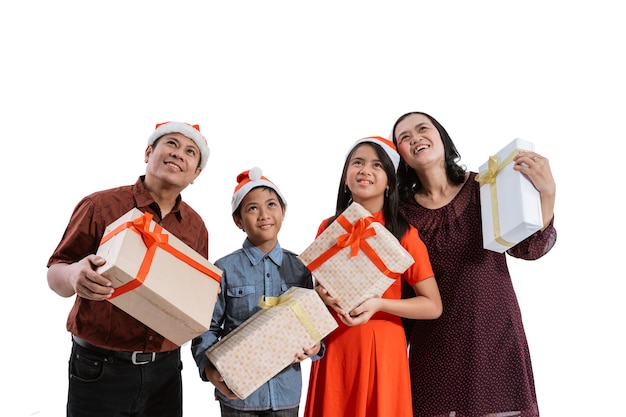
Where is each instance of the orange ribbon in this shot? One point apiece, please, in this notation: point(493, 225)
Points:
point(153, 240)
point(355, 239)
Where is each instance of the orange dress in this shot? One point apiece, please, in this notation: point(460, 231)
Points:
point(365, 370)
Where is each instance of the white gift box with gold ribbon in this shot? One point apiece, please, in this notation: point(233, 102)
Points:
point(268, 341)
point(356, 257)
point(510, 203)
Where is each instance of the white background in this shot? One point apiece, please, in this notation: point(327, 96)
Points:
point(288, 86)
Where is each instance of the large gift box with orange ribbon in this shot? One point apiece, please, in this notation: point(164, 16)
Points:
point(268, 341)
point(510, 203)
point(356, 257)
point(158, 279)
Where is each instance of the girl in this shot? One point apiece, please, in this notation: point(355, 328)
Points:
point(364, 372)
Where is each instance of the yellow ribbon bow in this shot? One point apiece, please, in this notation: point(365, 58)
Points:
point(489, 177)
point(270, 302)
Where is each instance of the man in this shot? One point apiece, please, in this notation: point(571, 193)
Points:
point(118, 365)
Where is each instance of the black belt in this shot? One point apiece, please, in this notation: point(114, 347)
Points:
point(136, 358)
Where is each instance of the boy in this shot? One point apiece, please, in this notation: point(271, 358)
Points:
point(118, 365)
point(261, 267)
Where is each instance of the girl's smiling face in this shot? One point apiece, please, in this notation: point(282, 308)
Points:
point(366, 178)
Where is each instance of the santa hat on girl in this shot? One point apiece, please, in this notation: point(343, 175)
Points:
point(248, 180)
point(387, 146)
point(185, 129)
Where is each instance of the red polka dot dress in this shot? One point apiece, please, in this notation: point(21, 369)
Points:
point(473, 360)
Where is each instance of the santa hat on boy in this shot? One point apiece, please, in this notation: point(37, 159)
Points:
point(191, 131)
point(387, 146)
point(248, 180)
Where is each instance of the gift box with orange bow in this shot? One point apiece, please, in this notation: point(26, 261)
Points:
point(510, 203)
point(356, 258)
point(158, 279)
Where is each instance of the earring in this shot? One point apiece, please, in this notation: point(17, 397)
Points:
point(345, 189)
point(387, 192)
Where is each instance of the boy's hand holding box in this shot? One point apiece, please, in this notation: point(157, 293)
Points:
point(158, 279)
point(510, 204)
point(268, 341)
point(356, 258)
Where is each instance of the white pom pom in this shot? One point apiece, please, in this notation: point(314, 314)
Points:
point(255, 174)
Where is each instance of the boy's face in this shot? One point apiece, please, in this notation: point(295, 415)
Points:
point(261, 218)
point(173, 161)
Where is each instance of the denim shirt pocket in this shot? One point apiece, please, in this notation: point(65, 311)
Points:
point(242, 291)
point(243, 301)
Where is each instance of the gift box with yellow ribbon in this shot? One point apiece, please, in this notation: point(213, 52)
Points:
point(268, 341)
point(356, 257)
point(158, 279)
point(510, 203)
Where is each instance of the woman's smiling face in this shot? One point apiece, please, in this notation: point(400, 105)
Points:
point(418, 140)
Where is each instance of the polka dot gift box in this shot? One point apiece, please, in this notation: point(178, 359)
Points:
point(268, 341)
point(356, 257)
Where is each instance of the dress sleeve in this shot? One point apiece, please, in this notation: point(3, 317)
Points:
point(535, 245)
point(323, 226)
point(422, 268)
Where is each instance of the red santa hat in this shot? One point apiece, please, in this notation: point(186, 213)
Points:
point(190, 131)
point(386, 144)
point(248, 180)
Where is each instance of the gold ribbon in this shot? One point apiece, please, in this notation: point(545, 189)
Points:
point(286, 299)
point(489, 177)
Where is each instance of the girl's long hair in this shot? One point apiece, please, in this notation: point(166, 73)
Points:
point(394, 221)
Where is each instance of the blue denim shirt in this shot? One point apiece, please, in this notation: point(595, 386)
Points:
point(248, 273)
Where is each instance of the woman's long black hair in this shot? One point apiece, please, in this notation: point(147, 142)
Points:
point(408, 181)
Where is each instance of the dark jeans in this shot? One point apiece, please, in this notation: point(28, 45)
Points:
point(231, 412)
point(102, 386)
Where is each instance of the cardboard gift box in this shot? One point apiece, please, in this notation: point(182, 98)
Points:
point(268, 341)
point(158, 279)
point(510, 203)
point(356, 257)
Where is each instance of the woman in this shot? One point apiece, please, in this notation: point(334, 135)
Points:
point(474, 360)
point(364, 371)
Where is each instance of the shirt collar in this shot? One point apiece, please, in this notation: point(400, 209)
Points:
point(255, 255)
point(143, 198)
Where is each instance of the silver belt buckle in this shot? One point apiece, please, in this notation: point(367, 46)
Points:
point(134, 360)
